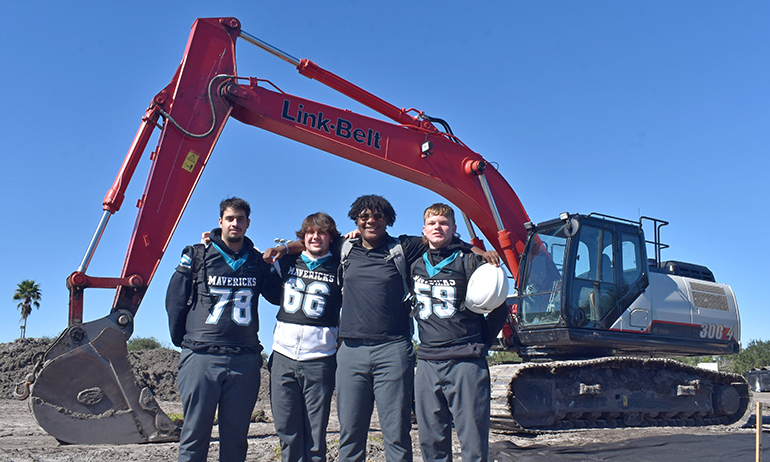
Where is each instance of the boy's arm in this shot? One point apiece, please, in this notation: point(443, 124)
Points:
point(177, 297)
point(272, 288)
point(290, 248)
point(495, 322)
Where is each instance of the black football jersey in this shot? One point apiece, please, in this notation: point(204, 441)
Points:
point(439, 284)
point(225, 298)
point(310, 296)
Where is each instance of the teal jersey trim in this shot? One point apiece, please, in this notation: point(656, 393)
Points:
point(234, 264)
point(434, 270)
point(313, 264)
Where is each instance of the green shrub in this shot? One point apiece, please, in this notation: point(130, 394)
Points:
point(143, 343)
point(175, 417)
point(694, 360)
point(503, 357)
point(259, 416)
point(755, 355)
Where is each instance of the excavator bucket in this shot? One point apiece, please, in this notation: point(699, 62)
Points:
point(86, 393)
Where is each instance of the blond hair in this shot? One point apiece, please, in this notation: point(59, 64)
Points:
point(439, 209)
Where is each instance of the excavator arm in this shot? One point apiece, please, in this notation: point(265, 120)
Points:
point(84, 391)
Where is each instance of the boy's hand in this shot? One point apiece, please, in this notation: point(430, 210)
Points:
point(491, 257)
point(273, 253)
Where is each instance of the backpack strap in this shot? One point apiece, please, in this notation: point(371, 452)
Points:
point(395, 253)
point(198, 272)
point(347, 246)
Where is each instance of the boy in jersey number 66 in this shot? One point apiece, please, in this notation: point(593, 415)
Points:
point(303, 362)
point(212, 311)
point(452, 382)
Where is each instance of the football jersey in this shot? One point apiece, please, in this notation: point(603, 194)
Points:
point(225, 299)
point(312, 294)
point(439, 283)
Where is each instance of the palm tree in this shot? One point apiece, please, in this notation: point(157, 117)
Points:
point(28, 294)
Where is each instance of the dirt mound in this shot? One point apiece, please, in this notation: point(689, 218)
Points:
point(155, 368)
point(16, 361)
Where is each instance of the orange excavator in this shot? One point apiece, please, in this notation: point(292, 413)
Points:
point(593, 317)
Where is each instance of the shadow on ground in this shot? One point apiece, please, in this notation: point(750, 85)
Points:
point(682, 448)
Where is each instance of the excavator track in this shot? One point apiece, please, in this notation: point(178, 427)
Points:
point(624, 392)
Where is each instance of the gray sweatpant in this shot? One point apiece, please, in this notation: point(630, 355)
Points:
point(381, 373)
point(453, 391)
point(301, 396)
point(205, 381)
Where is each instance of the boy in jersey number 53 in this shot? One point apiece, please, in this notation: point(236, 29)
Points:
point(452, 382)
point(212, 309)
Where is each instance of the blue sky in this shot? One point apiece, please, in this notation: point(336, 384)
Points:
point(625, 108)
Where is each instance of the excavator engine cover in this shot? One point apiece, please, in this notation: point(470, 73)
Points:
point(86, 392)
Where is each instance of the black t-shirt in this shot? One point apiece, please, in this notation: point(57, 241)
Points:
point(373, 306)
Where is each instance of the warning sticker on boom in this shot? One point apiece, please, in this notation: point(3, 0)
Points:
point(190, 161)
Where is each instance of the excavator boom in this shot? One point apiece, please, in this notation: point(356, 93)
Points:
point(84, 391)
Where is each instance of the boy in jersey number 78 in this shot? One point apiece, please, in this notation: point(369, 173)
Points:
point(452, 382)
point(212, 311)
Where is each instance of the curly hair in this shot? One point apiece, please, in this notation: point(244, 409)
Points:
point(319, 221)
point(373, 203)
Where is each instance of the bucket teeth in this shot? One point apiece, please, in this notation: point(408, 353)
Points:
point(86, 393)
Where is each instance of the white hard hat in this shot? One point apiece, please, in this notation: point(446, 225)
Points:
point(487, 289)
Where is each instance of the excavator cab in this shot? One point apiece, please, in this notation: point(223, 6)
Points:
point(584, 290)
point(580, 271)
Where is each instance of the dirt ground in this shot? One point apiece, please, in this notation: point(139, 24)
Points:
point(21, 439)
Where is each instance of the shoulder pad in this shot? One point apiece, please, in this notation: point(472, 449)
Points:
point(186, 261)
